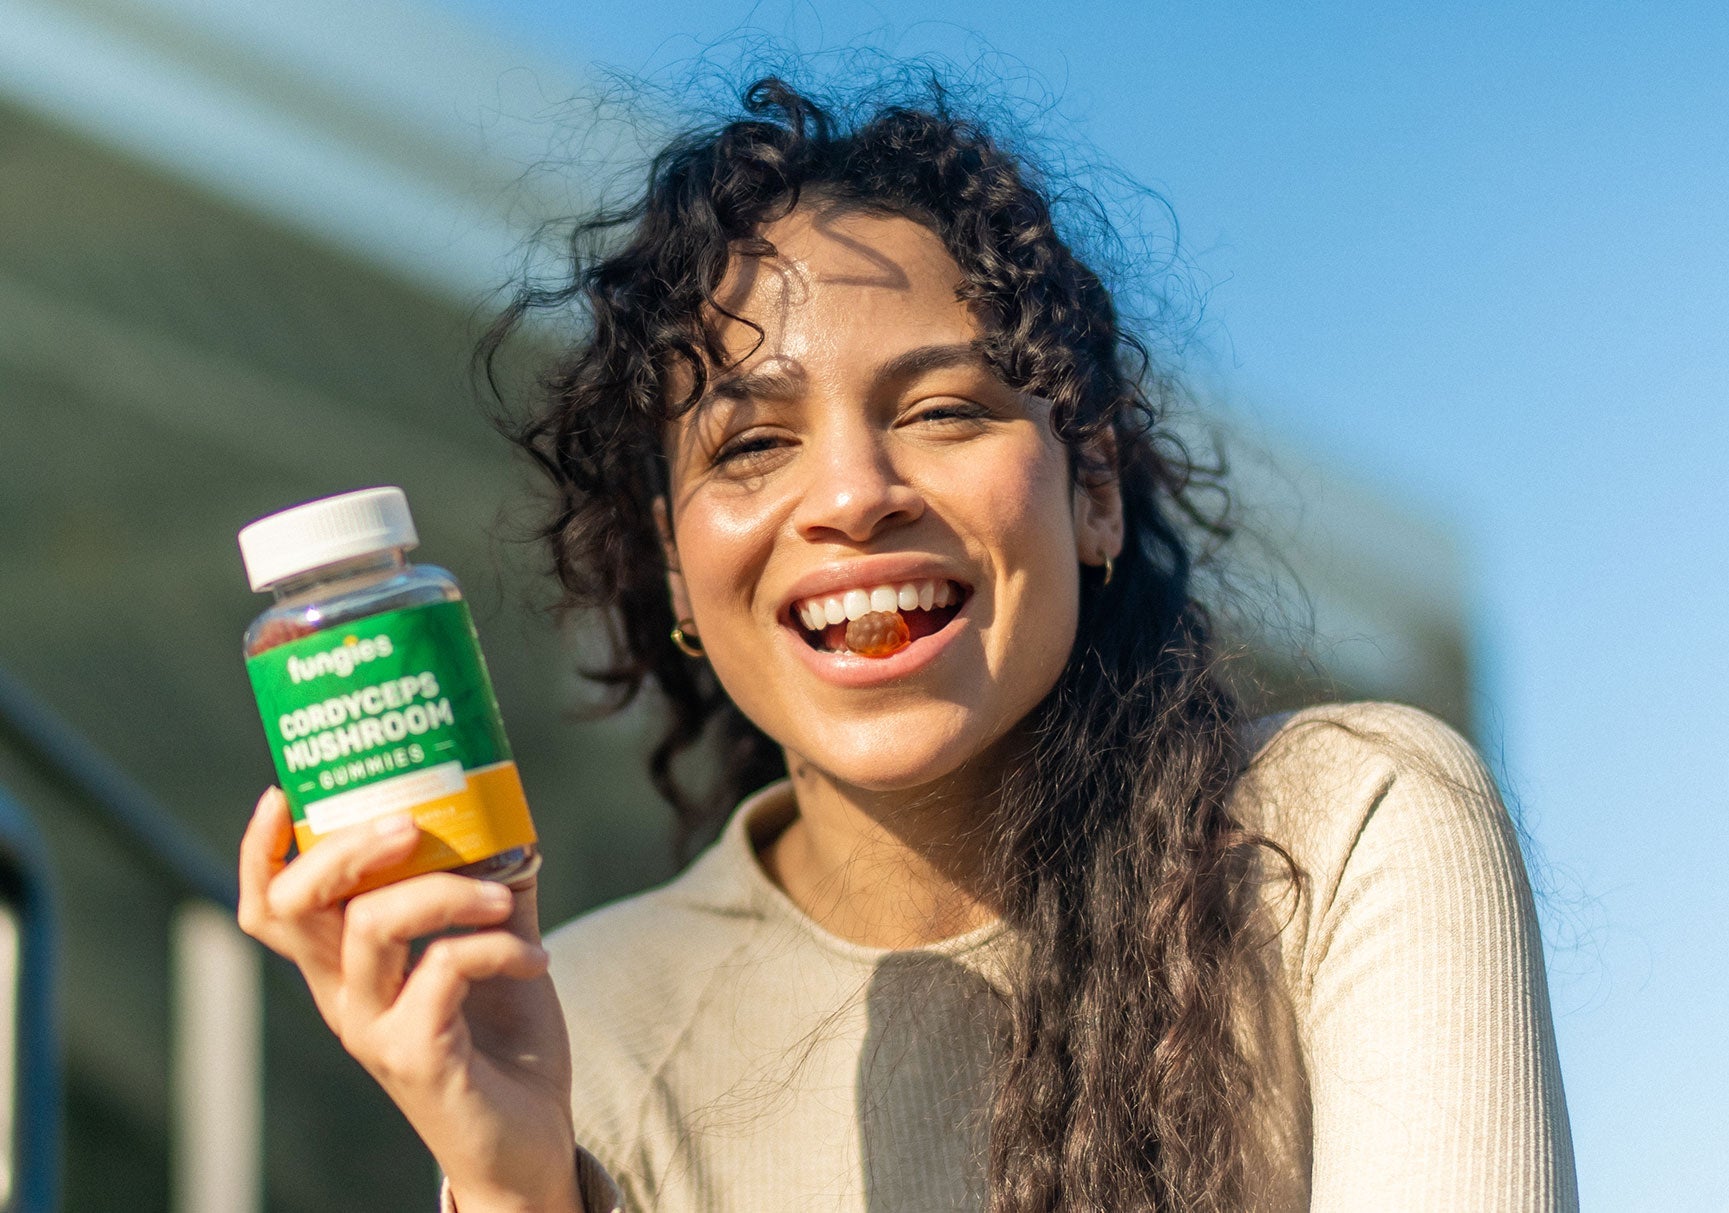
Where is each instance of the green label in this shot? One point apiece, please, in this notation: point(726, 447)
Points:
point(379, 697)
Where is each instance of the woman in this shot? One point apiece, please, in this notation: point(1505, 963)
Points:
point(872, 488)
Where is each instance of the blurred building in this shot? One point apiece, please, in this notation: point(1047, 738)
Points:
point(242, 252)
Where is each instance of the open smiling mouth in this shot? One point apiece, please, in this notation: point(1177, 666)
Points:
point(878, 621)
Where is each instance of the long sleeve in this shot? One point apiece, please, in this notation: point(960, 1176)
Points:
point(1405, 1053)
point(599, 1193)
point(1426, 1028)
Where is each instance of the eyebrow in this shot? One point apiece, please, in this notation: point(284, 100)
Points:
point(770, 381)
point(925, 358)
point(776, 381)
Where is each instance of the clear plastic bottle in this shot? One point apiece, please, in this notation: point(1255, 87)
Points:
point(373, 691)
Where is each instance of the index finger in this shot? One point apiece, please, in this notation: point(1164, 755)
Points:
point(328, 874)
point(263, 854)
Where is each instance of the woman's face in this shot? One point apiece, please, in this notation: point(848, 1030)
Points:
point(864, 446)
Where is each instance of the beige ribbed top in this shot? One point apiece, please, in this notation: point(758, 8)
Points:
point(731, 1055)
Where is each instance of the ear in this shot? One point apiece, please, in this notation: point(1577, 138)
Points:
point(674, 576)
point(1098, 502)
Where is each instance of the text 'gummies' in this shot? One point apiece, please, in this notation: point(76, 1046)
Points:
point(878, 634)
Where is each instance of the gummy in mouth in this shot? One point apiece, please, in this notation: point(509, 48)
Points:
point(881, 633)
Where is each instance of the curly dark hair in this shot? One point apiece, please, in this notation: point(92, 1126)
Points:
point(1121, 1083)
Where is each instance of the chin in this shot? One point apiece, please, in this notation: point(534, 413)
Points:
point(904, 761)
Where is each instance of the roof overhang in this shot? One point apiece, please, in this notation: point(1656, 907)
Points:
point(390, 130)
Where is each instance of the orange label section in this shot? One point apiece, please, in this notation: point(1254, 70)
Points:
point(485, 818)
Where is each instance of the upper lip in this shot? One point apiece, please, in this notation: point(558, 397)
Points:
point(864, 572)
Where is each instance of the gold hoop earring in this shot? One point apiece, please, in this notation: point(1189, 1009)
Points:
point(685, 637)
point(1110, 571)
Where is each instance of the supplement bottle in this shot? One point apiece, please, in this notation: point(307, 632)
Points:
point(373, 692)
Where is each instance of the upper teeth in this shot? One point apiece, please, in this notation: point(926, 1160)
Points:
point(817, 613)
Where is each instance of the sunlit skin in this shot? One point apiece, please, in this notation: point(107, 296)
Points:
point(864, 440)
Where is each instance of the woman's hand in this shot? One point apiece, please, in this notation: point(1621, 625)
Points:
point(468, 1040)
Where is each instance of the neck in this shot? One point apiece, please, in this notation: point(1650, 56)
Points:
point(885, 869)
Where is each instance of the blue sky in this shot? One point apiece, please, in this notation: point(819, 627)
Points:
point(1479, 255)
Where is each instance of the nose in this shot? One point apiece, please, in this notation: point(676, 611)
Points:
point(855, 492)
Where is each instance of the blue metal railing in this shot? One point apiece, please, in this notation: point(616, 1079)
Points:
point(25, 885)
point(149, 833)
point(136, 819)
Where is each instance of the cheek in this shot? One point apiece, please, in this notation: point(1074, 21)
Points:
point(723, 546)
point(1029, 506)
point(1039, 645)
point(1032, 519)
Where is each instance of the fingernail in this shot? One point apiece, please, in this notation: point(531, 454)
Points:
point(396, 825)
point(495, 895)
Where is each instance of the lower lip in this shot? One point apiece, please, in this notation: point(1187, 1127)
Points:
point(850, 670)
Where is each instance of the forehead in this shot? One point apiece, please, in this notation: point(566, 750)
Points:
point(838, 279)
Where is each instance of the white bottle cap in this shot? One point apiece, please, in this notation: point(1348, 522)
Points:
point(310, 536)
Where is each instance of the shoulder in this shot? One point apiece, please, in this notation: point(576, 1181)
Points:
point(668, 936)
point(1413, 964)
point(1382, 810)
point(648, 934)
point(1388, 735)
point(1394, 825)
point(650, 949)
point(632, 977)
point(1318, 776)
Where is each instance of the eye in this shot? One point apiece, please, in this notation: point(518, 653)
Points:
point(951, 412)
point(745, 450)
